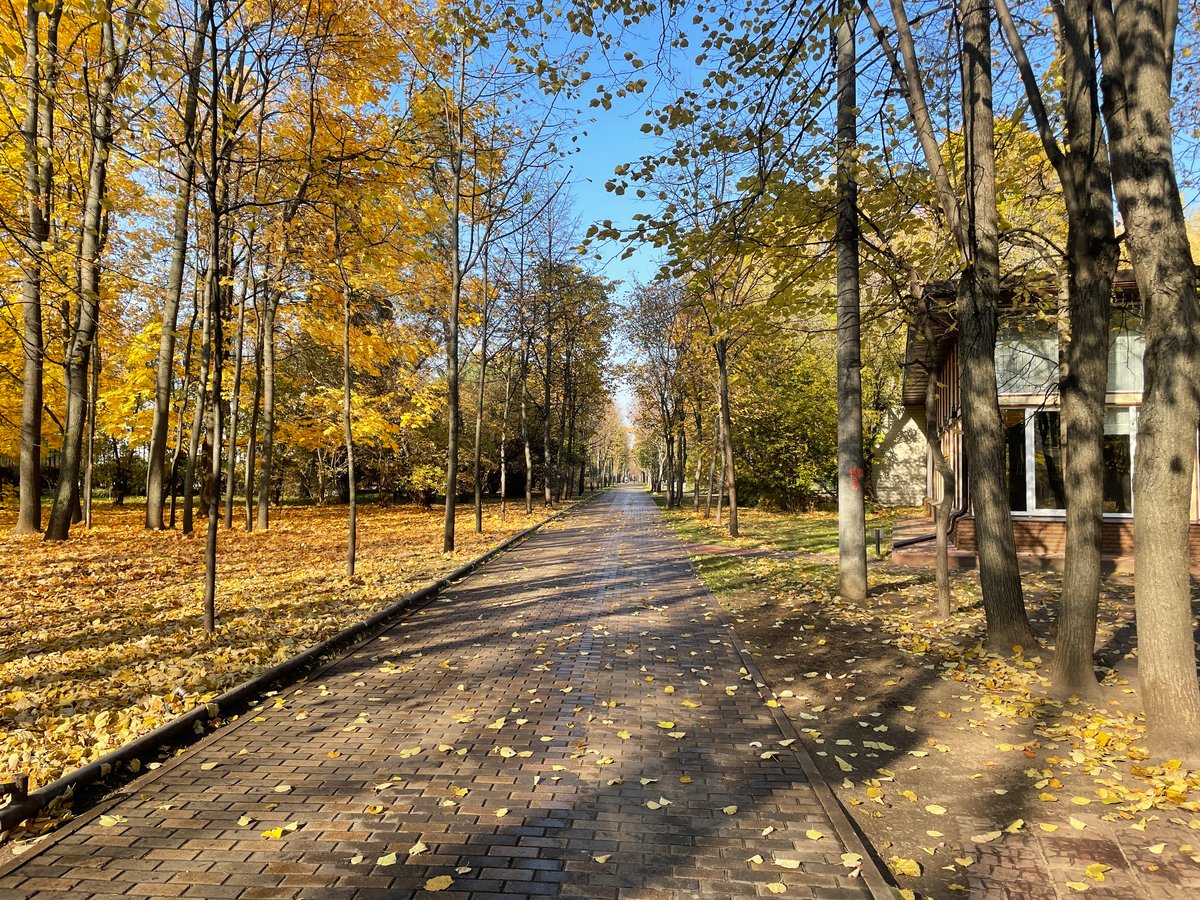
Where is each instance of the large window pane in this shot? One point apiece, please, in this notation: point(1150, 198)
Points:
point(1125, 348)
point(1014, 458)
point(1026, 359)
point(1049, 491)
point(1118, 460)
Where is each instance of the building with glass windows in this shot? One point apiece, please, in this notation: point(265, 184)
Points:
point(1027, 370)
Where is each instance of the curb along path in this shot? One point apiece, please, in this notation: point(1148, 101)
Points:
point(575, 719)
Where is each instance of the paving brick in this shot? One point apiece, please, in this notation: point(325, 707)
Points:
point(549, 684)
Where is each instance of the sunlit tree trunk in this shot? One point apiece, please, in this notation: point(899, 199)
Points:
point(348, 427)
point(89, 472)
point(199, 411)
point(727, 465)
point(235, 397)
point(252, 435)
point(525, 428)
point(87, 309)
point(504, 442)
point(266, 473)
point(477, 450)
point(37, 132)
point(181, 411)
point(852, 528)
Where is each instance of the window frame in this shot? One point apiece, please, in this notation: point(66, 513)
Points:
point(1032, 510)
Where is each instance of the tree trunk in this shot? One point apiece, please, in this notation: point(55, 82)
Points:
point(87, 310)
point(252, 437)
point(164, 368)
point(348, 425)
point(477, 457)
point(217, 437)
point(548, 475)
point(504, 442)
point(999, 576)
point(235, 398)
point(1091, 262)
point(216, 331)
point(934, 441)
point(452, 414)
point(712, 470)
point(267, 450)
point(525, 431)
point(90, 471)
point(852, 526)
point(699, 461)
point(202, 398)
point(180, 410)
point(39, 182)
point(978, 304)
point(730, 477)
point(1137, 45)
point(721, 474)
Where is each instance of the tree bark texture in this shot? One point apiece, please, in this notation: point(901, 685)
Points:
point(852, 527)
point(1137, 39)
point(727, 465)
point(978, 305)
point(87, 310)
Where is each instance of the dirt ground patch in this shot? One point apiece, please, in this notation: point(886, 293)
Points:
point(959, 767)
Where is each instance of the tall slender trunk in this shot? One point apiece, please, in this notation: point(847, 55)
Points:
point(933, 440)
point(37, 131)
point(721, 474)
point(681, 465)
point(198, 413)
point(87, 309)
point(1091, 263)
point(852, 527)
point(348, 427)
point(699, 460)
point(564, 491)
point(712, 467)
point(266, 473)
point(252, 436)
point(508, 378)
point(547, 458)
point(978, 305)
point(729, 472)
point(89, 472)
point(525, 430)
point(477, 458)
point(1083, 170)
point(452, 397)
point(976, 237)
point(235, 397)
point(217, 352)
point(1137, 46)
point(181, 409)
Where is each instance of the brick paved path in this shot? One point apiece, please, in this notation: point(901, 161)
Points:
point(574, 720)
